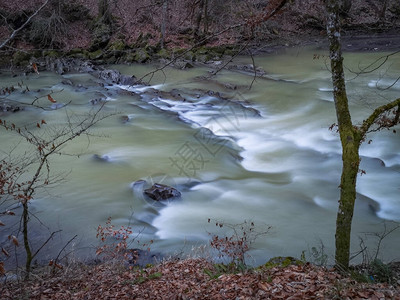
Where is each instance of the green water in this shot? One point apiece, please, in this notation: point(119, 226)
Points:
point(288, 176)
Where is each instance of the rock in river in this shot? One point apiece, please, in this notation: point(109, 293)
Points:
point(160, 192)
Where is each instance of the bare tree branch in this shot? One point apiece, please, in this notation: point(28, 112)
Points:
point(14, 33)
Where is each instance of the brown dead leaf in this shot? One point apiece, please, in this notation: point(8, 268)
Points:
point(51, 99)
point(35, 68)
point(5, 252)
point(2, 270)
point(14, 240)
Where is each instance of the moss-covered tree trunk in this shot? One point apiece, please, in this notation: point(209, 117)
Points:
point(349, 136)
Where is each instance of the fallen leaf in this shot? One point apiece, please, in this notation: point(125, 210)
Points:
point(14, 240)
point(2, 270)
point(51, 99)
point(5, 252)
point(35, 68)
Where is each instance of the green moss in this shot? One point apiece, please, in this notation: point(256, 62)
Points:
point(21, 58)
point(117, 45)
point(52, 54)
point(163, 53)
point(178, 51)
point(101, 35)
point(230, 52)
point(95, 54)
point(5, 60)
point(189, 56)
point(282, 261)
point(141, 56)
point(78, 53)
point(201, 51)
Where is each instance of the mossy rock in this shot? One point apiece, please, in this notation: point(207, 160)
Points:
point(142, 40)
point(178, 51)
point(189, 56)
point(230, 52)
point(218, 50)
point(282, 261)
point(5, 60)
point(203, 58)
point(101, 36)
point(21, 58)
point(78, 53)
point(75, 51)
point(52, 54)
point(141, 56)
point(163, 53)
point(95, 54)
point(202, 50)
point(117, 45)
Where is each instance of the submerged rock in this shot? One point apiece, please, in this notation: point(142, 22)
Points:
point(101, 158)
point(114, 76)
point(139, 257)
point(97, 100)
point(160, 192)
point(10, 106)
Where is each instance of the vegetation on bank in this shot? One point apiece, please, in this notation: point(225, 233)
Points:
point(117, 32)
point(196, 278)
point(199, 276)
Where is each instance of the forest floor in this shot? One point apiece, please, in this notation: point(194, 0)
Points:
point(195, 279)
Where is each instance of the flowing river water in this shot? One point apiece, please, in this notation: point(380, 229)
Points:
point(266, 155)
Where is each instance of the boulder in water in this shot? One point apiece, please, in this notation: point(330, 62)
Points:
point(10, 106)
point(160, 192)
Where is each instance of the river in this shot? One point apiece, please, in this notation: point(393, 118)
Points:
point(266, 155)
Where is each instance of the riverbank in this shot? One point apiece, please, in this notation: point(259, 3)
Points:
point(195, 279)
point(81, 30)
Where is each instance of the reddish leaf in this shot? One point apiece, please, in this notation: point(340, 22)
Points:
point(2, 224)
point(43, 122)
point(14, 240)
point(5, 252)
point(51, 99)
point(2, 270)
point(35, 68)
point(37, 125)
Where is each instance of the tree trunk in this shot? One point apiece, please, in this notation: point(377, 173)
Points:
point(25, 220)
point(382, 13)
point(351, 161)
point(104, 11)
point(164, 21)
point(199, 17)
point(205, 31)
point(350, 138)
